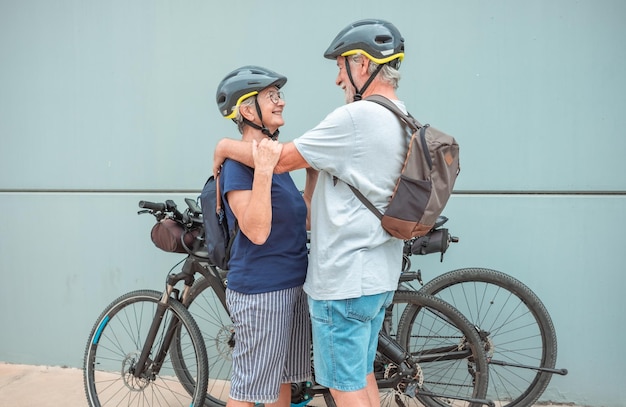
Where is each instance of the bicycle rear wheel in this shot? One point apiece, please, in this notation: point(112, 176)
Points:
point(520, 336)
point(446, 347)
point(115, 343)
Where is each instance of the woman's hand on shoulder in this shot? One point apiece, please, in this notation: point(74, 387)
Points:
point(266, 154)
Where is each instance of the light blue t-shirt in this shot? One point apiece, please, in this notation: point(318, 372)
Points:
point(364, 144)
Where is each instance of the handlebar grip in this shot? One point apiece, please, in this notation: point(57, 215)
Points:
point(152, 206)
point(193, 206)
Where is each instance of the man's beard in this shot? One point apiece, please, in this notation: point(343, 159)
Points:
point(349, 93)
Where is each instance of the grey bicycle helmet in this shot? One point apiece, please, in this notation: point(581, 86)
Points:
point(379, 40)
point(242, 83)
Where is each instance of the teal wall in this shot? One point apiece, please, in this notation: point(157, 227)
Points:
point(104, 103)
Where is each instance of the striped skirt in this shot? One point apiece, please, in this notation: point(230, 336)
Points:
point(272, 342)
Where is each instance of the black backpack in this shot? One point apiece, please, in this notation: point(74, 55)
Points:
point(217, 234)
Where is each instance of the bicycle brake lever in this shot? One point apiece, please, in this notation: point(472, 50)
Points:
point(171, 206)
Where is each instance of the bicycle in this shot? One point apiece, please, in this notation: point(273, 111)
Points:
point(129, 358)
point(434, 358)
point(514, 324)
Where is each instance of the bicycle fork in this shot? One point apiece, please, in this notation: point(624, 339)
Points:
point(154, 366)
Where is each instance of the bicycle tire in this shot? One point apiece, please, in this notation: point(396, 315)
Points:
point(428, 324)
point(115, 343)
point(521, 330)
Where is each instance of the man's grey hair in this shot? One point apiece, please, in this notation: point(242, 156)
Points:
point(238, 117)
point(387, 73)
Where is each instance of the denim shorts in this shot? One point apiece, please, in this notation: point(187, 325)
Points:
point(345, 338)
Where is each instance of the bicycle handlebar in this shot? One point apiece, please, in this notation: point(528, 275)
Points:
point(193, 213)
point(436, 241)
point(153, 206)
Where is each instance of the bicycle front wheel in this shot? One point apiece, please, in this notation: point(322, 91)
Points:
point(517, 329)
point(114, 346)
point(448, 350)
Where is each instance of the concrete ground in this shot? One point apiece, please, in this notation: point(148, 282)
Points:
point(47, 386)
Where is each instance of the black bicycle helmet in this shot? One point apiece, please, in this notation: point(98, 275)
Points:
point(242, 83)
point(379, 40)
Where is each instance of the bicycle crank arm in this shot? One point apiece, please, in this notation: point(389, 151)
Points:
point(561, 372)
point(469, 399)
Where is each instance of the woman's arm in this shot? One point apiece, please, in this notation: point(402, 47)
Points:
point(253, 208)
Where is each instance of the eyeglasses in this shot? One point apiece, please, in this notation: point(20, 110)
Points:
point(275, 97)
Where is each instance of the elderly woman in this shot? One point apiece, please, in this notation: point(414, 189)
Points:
point(268, 260)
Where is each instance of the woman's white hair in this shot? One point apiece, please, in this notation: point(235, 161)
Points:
point(238, 117)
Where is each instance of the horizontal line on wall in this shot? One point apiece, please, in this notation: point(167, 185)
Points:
point(195, 191)
point(537, 192)
point(101, 191)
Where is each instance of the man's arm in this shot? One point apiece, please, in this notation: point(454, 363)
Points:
point(290, 159)
point(234, 149)
point(309, 188)
point(238, 150)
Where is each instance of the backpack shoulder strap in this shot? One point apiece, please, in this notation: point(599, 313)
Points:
point(366, 202)
point(406, 118)
point(412, 123)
